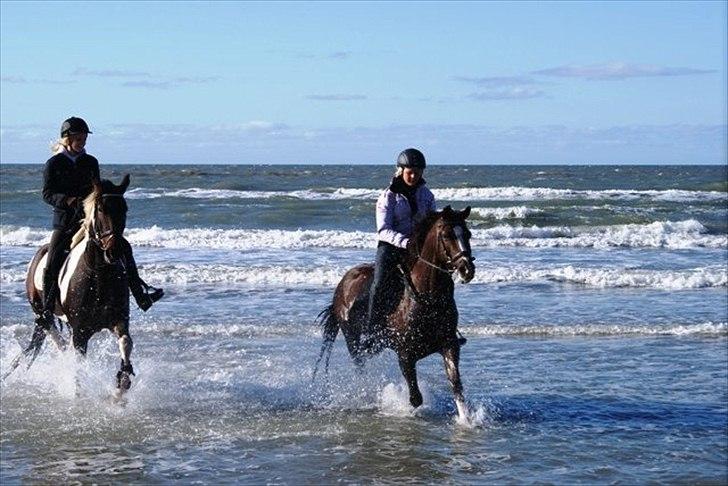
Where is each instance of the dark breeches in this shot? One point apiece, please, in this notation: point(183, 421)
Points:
point(386, 287)
point(132, 272)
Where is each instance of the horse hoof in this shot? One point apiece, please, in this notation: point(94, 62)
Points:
point(416, 401)
point(123, 381)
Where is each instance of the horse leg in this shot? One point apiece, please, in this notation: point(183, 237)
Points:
point(123, 376)
point(56, 338)
point(409, 370)
point(80, 344)
point(451, 356)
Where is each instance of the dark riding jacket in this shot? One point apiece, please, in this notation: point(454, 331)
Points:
point(62, 179)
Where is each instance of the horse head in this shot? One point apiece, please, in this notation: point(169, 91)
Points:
point(449, 237)
point(105, 220)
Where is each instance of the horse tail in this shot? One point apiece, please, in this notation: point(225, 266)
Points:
point(330, 326)
point(31, 352)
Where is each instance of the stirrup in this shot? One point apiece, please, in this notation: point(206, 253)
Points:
point(149, 297)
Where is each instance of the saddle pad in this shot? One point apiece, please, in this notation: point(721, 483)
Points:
point(67, 270)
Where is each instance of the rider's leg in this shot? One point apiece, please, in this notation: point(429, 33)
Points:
point(60, 240)
point(383, 293)
point(145, 295)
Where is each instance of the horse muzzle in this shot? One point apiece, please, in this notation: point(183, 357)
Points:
point(465, 268)
point(107, 245)
point(107, 242)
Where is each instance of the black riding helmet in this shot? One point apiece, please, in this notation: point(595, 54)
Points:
point(74, 126)
point(411, 158)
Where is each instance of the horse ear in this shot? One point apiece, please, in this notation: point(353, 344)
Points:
point(124, 184)
point(447, 210)
point(465, 213)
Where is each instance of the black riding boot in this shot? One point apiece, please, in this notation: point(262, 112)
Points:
point(383, 296)
point(145, 295)
point(57, 247)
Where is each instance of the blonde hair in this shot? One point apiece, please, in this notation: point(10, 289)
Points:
point(398, 171)
point(60, 144)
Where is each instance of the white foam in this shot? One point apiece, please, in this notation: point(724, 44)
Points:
point(302, 277)
point(516, 193)
point(662, 234)
point(23, 236)
point(515, 212)
point(708, 329)
point(182, 274)
point(697, 278)
point(506, 193)
point(253, 239)
point(200, 193)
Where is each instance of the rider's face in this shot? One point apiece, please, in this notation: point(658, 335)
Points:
point(78, 142)
point(411, 175)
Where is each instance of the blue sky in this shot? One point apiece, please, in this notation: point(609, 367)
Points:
point(231, 82)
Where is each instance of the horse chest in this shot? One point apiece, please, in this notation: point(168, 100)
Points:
point(97, 300)
point(422, 328)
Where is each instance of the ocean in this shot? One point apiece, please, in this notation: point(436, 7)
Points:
point(597, 326)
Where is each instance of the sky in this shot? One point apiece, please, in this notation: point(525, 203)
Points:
point(337, 83)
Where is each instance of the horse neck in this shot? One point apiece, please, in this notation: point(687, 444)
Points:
point(93, 261)
point(91, 256)
point(426, 279)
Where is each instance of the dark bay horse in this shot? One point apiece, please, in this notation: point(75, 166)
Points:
point(425, 320)
point(94, 290)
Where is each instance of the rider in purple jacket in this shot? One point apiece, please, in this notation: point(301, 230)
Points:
point(405, 202)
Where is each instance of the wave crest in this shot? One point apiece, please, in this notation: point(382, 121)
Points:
point(661, 234)
point(506, 193)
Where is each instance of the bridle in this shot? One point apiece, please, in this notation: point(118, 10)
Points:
point(452, 260)
point(97, 236)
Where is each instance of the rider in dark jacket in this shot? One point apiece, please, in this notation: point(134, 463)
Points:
point(67, 180)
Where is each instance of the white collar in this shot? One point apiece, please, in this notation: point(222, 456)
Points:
point(64, 151)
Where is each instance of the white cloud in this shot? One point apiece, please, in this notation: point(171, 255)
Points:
point(618, 70)
point(24, 80)
point(170, 83)
point(110, 73)
point(336, 97)
point(498, 81)
point(514, 93)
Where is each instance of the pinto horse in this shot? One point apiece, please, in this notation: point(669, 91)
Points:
point(425, 320)
point(94, 289)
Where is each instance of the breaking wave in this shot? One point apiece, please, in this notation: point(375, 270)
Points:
point(510, 193)
point(516, 212)
point(284, 329)
point(708, 329)
point(303, 277)
point(661, 234)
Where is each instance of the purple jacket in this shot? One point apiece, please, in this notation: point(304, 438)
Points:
point(395, 221)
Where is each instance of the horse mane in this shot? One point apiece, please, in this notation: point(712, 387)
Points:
point(87, 222)
point(422, 228)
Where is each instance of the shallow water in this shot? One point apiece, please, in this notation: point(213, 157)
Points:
point(597, 348)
